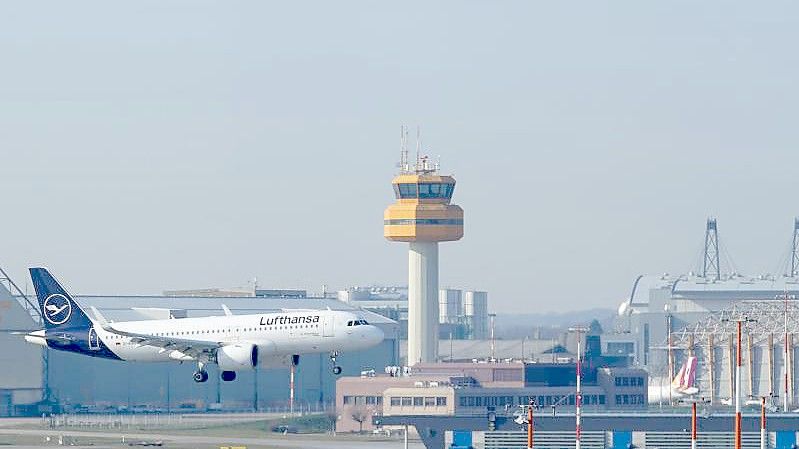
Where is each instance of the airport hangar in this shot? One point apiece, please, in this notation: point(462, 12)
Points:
point(667, 318)
point(77, 381)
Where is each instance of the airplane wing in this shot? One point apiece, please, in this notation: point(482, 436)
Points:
point(192, 348)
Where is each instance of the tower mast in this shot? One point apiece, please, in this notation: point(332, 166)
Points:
point(711, 267)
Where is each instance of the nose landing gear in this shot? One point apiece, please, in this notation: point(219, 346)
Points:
point(201, 375)
point(336, 368)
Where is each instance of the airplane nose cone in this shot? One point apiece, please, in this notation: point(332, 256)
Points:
point(374, 335)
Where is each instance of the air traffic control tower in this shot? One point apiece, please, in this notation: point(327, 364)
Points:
point(422, 216)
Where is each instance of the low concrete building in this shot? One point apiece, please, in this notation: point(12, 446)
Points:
point(447, 389)
point(360, 398)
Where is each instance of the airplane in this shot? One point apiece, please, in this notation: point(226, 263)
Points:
point(233, 342)
point(681, 386)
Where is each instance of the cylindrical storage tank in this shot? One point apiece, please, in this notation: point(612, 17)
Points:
point(475, 308)
point(449, 305)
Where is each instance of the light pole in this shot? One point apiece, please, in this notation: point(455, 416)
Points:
point(578, 395)
point(739, 325)
point(493, 317)
point(694, 424)
point(523, 340)
point(763, 422)
point(530, 425)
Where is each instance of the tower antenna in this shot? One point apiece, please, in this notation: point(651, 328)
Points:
point(711, 267)
point(795, 248)
point(418, 147)
point(404, 149)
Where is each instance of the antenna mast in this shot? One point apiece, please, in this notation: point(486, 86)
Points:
point(404, 149)
point(418, 146)
point(795, 248)
point(711, 267)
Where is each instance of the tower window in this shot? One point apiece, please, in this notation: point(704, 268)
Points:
point(406, 191)
point(435, 190)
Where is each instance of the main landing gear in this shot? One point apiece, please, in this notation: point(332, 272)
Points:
point(336, 368)
point(201, 375)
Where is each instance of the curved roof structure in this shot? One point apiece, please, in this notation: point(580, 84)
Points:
point(762, 318)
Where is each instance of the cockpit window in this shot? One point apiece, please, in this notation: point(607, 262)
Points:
point(349, 323)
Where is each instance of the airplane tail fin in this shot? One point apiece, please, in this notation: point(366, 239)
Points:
point(58, 308)
point(685, 380)
point(689, 379)
point(677, 382)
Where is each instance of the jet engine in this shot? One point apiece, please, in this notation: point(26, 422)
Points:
point(237, 357)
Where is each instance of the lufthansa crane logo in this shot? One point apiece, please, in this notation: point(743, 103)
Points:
point(57, 309)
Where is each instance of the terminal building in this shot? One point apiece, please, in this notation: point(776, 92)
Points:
point(469, 388)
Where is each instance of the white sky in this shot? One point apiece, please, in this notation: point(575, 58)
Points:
point(152, 145)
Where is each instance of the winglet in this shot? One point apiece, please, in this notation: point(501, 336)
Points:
point(227, 310)
point(99, 316)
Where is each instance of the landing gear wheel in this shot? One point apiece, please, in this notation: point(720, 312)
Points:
point(200, 376)
point(336, 368)
point(228, 376)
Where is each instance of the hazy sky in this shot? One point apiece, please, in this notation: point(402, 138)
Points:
point(154, 145)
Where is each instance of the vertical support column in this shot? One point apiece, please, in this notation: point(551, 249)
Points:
point(731, 359)
point(670, 355)
point(785, 399)
point(790, 370)
point(771, 364)
point(578, 398)
point(763, 422)
point(750, 364)
point(738, 389)
point(422, 302)
point(711, 356)
point(292, 370)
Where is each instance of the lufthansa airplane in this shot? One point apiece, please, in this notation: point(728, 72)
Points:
point(233, 342)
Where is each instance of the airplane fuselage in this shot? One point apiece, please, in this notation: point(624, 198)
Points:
point(277, 336)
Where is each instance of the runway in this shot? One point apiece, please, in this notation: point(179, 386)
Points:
point(18, 434)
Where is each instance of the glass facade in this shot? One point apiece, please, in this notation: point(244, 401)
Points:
point(425, 190)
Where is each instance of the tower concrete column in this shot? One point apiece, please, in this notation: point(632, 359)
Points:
point(422, 302)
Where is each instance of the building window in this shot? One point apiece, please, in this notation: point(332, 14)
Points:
point(348, 400)
point(395, 401)
point(407, 401)
point(418, 401)
point(429, 402)
point(441, 401)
